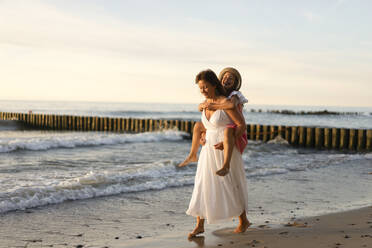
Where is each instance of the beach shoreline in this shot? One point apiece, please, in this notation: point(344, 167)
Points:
point(157, 219)
point(351, 228)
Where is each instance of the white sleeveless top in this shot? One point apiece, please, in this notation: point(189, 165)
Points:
point(241, 98)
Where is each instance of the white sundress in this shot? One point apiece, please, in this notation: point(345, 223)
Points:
point(217, 198)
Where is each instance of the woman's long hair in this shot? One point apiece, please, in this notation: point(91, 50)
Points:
point(211, 77)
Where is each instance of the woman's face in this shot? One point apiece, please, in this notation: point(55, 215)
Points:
point(228, 80)
point(207, 89)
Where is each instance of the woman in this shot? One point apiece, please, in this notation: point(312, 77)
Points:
point(216, 197)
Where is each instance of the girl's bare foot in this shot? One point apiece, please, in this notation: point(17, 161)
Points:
point(242, 227)
point(223, 172)
point(197, 230)
point(188, 160)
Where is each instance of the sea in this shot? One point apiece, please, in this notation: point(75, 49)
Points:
point(40, 168)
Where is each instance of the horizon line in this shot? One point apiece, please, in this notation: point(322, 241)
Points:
point(254, 104)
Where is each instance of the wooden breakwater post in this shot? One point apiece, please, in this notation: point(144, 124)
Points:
point(96, 123)
point(315, 137)
point(311, 137)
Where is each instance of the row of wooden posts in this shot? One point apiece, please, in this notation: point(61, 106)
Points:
point(311, 137)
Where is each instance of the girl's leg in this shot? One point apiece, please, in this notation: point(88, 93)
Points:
point(228, 146)
point(198, 229)
point(196, 135)
point(243, 223)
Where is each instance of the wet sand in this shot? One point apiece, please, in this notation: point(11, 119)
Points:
point(347, 229)
point(158, 219)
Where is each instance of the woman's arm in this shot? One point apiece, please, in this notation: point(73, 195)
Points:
point(202, 106)
point(238, 120)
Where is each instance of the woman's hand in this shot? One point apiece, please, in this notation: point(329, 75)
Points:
point(211, 106)
point(207, 105)
point(202, 106)
point(202, 139)
point(223, 171)
point(219, 146)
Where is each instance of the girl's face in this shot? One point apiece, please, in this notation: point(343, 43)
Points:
point(228, 80)
point(207, 89)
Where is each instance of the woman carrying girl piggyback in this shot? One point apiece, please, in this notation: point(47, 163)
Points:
point(230, 80)
point(219, 193)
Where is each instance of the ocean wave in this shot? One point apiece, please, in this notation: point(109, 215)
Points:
point(278, 140)
point(284, 160)
point(149, 113)
point(38, 141)
point(158, 175)
point(95, 184)
point(262, 172)
point(368, 155)
point(309, 112)
point(155, 176)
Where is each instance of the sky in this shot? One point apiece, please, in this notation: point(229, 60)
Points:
point(289, 52)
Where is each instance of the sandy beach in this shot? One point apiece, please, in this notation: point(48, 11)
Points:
point(347, 229)
point(157, 219)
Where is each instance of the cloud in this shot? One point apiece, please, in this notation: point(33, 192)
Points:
point(37, 24)
point(49, 52)
point(310, 16)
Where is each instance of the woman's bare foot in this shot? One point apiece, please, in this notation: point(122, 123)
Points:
point(197, 230)
point(223, 171)
point(188, 160)
point(242, 227)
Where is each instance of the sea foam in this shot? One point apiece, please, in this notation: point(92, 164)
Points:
point(94, 184)
point(37, 141)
